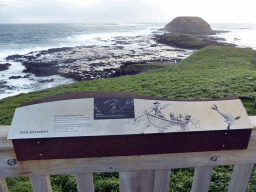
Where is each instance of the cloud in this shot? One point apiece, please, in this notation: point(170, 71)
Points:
point(114, 11)
point(2, 6)
point(122, 10)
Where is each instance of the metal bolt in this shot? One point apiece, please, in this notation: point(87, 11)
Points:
point(41, 154)
point(214, 158)
point(38, 142)
point(223, 145)
point(11, 162)
point(226, 133)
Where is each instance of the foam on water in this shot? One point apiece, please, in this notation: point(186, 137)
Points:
point(102, 38)
point(14, 86)
point(93, 34)
point(242, 38)
point(241, 34)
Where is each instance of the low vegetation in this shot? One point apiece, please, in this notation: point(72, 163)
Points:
point(181, 41)
point(211, 72)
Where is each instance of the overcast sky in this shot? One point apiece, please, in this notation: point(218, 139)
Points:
point(81, 11)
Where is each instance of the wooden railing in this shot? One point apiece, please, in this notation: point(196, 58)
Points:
point(149, 173)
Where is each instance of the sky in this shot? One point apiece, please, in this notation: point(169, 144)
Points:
point(84, 11)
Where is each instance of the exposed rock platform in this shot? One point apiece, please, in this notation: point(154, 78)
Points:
point(97, 62)
point(4, 66)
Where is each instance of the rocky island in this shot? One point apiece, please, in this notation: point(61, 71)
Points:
point(189, 25)
point(190, 33)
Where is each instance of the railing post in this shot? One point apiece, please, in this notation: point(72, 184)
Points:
point(202, 179)
point(162, 180)
point(85, 182)
point(3, 185)
point(144, 181)
point(240, 178)
point(41, 183)
point(136, 181)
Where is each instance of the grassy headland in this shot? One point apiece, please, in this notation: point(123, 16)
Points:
point(181, 41)
point(189, 41)
point(208, 73)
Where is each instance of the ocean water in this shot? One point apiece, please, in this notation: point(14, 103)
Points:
point(24, 38)
point(241, 34)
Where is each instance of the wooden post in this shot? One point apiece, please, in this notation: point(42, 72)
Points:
point(136, 181)
point(144, 181)
point(41, 183)
point(3, 185)
point(202, 179)
point(85, 182)
point(162, 180)
point(240, 178)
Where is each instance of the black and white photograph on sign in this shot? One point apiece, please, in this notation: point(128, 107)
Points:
point(113, 108)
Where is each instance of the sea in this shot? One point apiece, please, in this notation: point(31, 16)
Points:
point(25, 38)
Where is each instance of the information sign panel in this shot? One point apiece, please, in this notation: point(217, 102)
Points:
point(134, 118)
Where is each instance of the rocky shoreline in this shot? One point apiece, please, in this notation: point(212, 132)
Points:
point(97, 62)
point(69, 64)
point(5, 66)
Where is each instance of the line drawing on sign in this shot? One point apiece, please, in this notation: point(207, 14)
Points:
point(157, 119)
point(229, 119)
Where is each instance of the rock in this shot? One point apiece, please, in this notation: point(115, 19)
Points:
point(40, 69)
point(27, 76)
point(13, 57)
point(189, 25)
point(2, 83)
point(91, 62)
point(3, 86)
point(248, 78)
point(5, 66)
point(46, 81)
point(14, 77)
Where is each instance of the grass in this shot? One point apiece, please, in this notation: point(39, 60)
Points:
point(208, 73)
point(211, 72)
point(180, 40)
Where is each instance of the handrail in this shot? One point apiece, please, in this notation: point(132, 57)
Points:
point(155, 167)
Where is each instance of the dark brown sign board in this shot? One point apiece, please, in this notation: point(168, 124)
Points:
point(128, 124)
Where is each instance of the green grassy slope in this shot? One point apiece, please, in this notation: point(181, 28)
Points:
point(208, 73)
point(181, 40)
